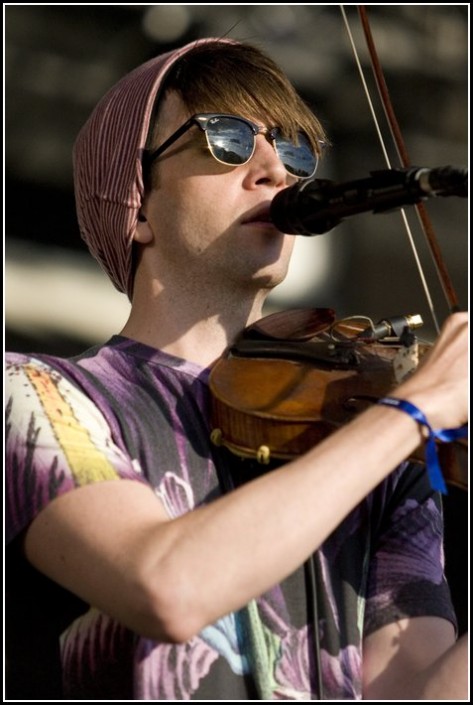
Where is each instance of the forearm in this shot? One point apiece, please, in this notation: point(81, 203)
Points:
point(114, 546)
point(238, 547)
point(415, 659)
point(447, 678)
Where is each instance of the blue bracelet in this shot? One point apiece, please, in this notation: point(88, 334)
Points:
point(447, 434)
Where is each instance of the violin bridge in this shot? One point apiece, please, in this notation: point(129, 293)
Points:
point(405, 361)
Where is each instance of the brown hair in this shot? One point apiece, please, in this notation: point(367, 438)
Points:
point(239, 78)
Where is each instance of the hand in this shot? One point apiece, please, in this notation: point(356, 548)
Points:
point(440, 385)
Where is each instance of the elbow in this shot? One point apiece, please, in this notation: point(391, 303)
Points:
point(170, 608)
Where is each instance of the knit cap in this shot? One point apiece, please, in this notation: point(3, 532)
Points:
point(107, 159)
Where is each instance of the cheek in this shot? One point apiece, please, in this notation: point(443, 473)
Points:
point(190, 198)
point(189, 216)
point(199, 218)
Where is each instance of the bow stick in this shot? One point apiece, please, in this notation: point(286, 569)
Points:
point(404, 159)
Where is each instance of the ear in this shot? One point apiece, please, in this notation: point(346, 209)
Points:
point(143, 233)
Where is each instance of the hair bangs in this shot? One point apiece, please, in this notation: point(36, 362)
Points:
point(240, 79)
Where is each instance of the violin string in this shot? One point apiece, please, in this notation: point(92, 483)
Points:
point(388, 163)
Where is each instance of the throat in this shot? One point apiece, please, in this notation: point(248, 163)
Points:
point(199, 336)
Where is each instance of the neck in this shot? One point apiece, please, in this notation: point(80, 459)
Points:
point(197, 328)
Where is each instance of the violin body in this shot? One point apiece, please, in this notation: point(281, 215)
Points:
point(293, 378)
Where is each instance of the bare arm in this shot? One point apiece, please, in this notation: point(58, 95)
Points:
point(114, 546)
point(415, 659)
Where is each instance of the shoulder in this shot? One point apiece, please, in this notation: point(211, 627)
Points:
point(39, 381)
point(28, 376)
point(41, 373)
point(57, 437)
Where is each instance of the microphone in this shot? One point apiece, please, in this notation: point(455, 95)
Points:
point(316, 206)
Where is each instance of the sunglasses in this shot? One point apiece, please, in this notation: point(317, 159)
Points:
point(232, 141)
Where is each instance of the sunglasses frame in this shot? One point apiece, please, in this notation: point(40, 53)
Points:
point(202, 120)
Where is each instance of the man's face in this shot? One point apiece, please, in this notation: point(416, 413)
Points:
point(210, 220)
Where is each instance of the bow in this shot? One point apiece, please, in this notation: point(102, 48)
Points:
point(426, 225)
point(404, 159)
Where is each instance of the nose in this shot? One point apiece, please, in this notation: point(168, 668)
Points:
point(265, 167)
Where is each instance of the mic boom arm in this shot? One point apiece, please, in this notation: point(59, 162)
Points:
point(316, 206)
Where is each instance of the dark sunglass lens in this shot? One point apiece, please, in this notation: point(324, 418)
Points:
point(298, 159)
point(230, 140)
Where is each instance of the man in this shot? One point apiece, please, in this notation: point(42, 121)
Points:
point(149, 579)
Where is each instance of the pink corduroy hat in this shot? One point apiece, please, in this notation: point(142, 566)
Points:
point(107, 158)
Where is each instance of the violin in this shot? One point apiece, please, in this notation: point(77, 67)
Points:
point(294, 377)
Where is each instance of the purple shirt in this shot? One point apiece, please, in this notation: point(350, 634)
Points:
point(126, 410)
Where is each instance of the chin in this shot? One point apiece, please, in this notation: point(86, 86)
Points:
point(269, 278)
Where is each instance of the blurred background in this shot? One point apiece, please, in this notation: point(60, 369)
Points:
point(60, 60)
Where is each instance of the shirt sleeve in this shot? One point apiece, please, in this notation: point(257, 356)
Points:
point(407, 576)
point(56, 440)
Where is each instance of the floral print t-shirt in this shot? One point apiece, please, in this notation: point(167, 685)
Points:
point(126, 410)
